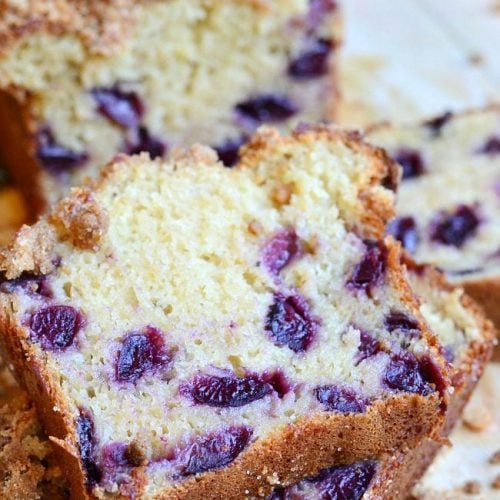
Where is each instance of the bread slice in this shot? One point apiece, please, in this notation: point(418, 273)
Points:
point(130, 76)
point(457, 323)
point(193, 331)
point(468, 338)
point(449, 199)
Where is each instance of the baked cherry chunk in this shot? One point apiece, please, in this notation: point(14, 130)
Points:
point(56, 327)
point(55, 158)
point(405, 373)
point(341, 399)
point(313, 62)
point(401, 322)
point(266, 108)
point(289, 322)
point(119, 106)
point(87, 443)
point(30, 283)
point(141, 353)
point(280, 250)
point(214, 450)
point(411, 162)
point(144, 142)
point(226, 391)
point(368, 347)
point(435, 125)
point(369, 272)
point(405, 230)
point(456, 227)
point(346, 482)
point(228, 152)
point(491, 146)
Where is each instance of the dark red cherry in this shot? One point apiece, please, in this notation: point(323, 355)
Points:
point(226, 391)
point(369, 272)
point(144, 142)
point(266, 108)
point(341, 399)
point(214, 450)
point(280, 250)
point(405, 230)
point(403, 373)
point(56, 327)
point(455, 228)
point(87, 444)
point(119, 106)
point(411, 161)
point(55, 158)
point(402, 323)
point(312, 62)
point(368, 347)
point(289, 322)
point(228, 152)
point(491, 146)
point(141, 353)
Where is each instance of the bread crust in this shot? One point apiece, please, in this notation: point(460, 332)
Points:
point(398, 474)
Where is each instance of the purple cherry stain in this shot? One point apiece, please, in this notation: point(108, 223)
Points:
point(404, 229)
point(312, 62)
point(55, 158)
point(280, 250)
point(140, 353)
point(411, 161)
point(340, 399)
point(215, 450)
point(144, 142)
point(228, 152)
point(56, 327)
point(455, 228)
point(289, 322)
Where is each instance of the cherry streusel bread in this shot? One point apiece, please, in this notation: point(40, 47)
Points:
point(130, 76)
point(449, 198)
point(467, 338)
point(194, 331)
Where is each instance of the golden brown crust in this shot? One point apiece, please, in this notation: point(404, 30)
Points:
point(26, 466)
point(398, 473)
point(31, 251)
point(377, 210)
point(101, 25)
point(80, 220)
